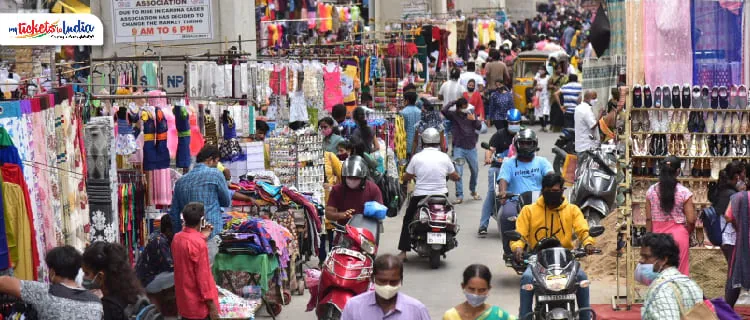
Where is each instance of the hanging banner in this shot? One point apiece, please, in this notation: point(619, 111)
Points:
point(161, 20)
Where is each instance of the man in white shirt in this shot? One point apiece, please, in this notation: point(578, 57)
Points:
point(429, 167)
point(586, 124)
point(452, 90)
point(470, 74)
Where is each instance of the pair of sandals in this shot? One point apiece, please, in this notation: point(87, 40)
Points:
point(667, 97)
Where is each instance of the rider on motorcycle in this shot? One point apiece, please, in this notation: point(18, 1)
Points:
point(551, 217)
point(429, 167)
point(349, 197)
point(520, 174)
point(499, 145)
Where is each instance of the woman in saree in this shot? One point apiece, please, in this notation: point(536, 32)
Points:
point(476, 287)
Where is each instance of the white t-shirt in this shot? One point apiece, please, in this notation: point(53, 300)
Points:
point(466, 76)
point(587, 131)
point(430, 167)
point(451, 91)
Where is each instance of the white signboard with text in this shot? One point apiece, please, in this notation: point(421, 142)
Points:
point(161, 20)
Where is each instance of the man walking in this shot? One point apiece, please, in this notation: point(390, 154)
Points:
point(206, 185)
point(195, 289)
point(464, 144)
point(570, 95)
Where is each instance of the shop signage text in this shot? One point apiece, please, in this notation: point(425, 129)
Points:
point(161, 20)
point(49, 29)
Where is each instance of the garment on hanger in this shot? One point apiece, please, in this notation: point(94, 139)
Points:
point(332, 80)
point(125, 143)
point(230, 147)
point(155, 151)
point(11, 173)
point(182, 122)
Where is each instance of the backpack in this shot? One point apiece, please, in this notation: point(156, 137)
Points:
point(712, 225)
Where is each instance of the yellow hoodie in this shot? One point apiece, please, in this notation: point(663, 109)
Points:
point(537, 219)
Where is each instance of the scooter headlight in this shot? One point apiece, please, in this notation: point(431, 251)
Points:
point(556, 282)
point(367, 245)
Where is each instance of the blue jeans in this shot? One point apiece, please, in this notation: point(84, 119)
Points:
point(527, 297)
point(470, 155)
point(488, 208)
point(509, 209)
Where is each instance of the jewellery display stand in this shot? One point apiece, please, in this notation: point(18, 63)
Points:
point(310, 163)
point(284, 157)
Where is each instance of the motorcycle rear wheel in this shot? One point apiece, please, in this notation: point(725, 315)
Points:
point(434, 259)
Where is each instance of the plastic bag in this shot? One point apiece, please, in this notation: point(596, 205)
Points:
point(373, 209)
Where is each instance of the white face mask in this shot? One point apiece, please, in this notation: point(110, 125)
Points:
point(353, 183)
point(386, 292)
point(593, 102)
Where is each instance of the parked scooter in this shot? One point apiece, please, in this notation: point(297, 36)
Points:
point(554, 269)
point(595, 188)
point(565, 145)
point(347, 270)
point(434, 231)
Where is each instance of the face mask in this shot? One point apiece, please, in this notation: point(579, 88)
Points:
point(465, 110)
point(327, 131)
point(514, 128)
point(645, 274)
point(553, 199)
point(470, 89)
point(91, 284)
point(342, 157)
point(593, 102)
point(475, 300)
point(353, 183)
point(386, 292)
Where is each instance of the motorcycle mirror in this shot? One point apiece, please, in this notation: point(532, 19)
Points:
point(485, 145)
point(596, 231)
point(512, 235)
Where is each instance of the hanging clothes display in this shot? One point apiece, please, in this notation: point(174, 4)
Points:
point(332, 80)
point(100, 155)
point(155, 152)
point(230, 148)
point(12, 174)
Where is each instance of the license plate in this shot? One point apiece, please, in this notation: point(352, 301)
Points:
point(557, 297)
point(435, 238)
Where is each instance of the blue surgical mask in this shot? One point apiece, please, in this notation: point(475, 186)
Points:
point(514, 128)
point(475, 300)
point(91, 284)
point(645, 274)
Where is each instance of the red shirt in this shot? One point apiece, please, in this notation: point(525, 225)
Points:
point(342, 198)
point(194, 283)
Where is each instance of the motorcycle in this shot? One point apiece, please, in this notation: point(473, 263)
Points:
point(347, 270)
point(508, 224)
point(434, 232)
point(595, 188)
point(564, 146)
point(554, 269)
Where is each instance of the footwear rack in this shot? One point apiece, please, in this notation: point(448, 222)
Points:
point(705, 127)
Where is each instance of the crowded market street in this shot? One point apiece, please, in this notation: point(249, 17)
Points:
point(440, 289)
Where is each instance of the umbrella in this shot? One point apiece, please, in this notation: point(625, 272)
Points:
point(599, 34)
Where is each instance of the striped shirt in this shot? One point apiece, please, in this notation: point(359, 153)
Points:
point(571, 91)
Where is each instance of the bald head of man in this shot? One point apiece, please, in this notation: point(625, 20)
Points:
point(589, 95)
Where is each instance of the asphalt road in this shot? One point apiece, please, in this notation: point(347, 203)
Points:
point(440, 289)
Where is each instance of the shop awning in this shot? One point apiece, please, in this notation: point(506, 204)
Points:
point(70, 6)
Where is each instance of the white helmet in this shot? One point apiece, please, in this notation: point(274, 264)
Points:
point(430, 136)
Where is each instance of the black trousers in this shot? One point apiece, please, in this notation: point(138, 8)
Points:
point(569, 120)
point(404, 242)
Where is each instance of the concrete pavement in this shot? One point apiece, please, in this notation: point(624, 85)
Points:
point(440, 289)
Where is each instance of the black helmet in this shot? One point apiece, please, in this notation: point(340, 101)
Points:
point(355, 167)
point(526, 143)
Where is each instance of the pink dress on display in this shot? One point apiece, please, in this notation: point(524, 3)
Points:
point(332, 92)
